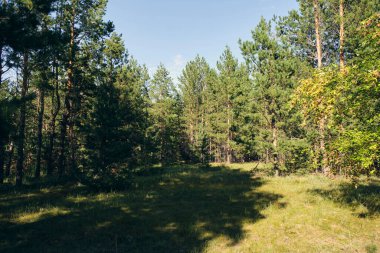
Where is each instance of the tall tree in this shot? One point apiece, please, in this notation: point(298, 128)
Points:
point(41, 109)
point(22, 119)
point(351, 102)
point(317, 20)
point(195, 82)
point(43, 59)
point(341, 35)
point(131, 83)
point(234, 88)
point(275, 72)
point(165, 111)
point(84, 23)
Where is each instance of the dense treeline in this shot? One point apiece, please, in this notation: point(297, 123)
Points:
point(74, 103)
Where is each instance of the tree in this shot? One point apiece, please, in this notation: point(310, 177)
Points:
point(83, 24)
point(358, 140)
point(195, 82)
point(43, 58)
point(317, 18)
point(350, 100)
point(275, 72)
point(341, 35)
point(26, 18)
point(233, 95)
point(165, 111)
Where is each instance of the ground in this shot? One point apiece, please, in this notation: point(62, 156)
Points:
point(195, 209)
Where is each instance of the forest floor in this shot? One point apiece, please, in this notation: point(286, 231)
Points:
point(195, 209)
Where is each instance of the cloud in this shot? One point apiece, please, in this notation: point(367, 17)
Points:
point(179, 61)
point(176, 67)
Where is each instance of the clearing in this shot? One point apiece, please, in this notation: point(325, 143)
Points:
point(193, 209)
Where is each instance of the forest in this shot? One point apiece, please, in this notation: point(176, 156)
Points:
point(80, 116)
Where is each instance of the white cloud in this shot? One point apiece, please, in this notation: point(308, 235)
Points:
point(176, 67)
point(179, 61)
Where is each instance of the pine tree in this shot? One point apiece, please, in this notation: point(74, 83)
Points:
point(234, 105)
point(131, 83)
point(84, 25)
point(165, 111)
point(274, 73)
point(22, 36)
point(195, 82)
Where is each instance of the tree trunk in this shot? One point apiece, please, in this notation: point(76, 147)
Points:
point(2, 152)
point(228, 147)
point(49, 155)
point(1, 65)
point(275, 147)
point(62, 157)
point(21, 132)
point(210, 149)
point(2, 159)
point(322, 146)
point(316, 155)
point(70, 92)
point(67, 119)
point(341, 36)
point(56, 105)
point(322, 121)
point(318, 32)
point(41, 109)
point(10, 158)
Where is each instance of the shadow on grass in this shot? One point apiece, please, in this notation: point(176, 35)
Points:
point(178, 209)
point(364, 195)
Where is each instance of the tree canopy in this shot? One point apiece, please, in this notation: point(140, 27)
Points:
point(74, 103)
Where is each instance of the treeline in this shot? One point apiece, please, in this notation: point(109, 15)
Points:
point(74, 103)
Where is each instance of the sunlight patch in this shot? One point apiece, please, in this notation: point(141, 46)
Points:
point(220, 244)
point(126, 209)
point(77, 199)
point(103, 224)
point(28, 217)
point(169, 227)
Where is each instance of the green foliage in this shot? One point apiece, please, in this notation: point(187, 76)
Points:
point(275, 71)
point(196, 82)
point(7, 110)
point(116, 123)
point(99, 116)
point(165, 111)
point(298, 27)
point(298, 156)
point(350, 100)
point(236, 98)
point(360, 149)
point(359, 142)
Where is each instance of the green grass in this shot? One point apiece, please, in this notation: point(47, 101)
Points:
point(191, 209)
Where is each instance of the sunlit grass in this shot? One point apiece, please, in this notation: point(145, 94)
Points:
point(308, 222)
point(196, 209)
point(36, 215)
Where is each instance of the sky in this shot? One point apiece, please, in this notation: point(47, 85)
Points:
point(173, 32)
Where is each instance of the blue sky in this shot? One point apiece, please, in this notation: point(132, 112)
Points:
point(175, 31)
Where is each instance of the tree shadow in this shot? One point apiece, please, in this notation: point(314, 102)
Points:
point(176, 210)
point(363, 195)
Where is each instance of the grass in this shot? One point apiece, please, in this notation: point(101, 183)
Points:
point(195, 209)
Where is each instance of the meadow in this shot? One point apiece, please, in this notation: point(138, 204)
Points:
point(189, 208)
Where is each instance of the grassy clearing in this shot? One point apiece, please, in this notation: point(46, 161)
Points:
point(191, 209)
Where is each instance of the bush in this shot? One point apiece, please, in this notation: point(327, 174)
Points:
point(297, 156)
